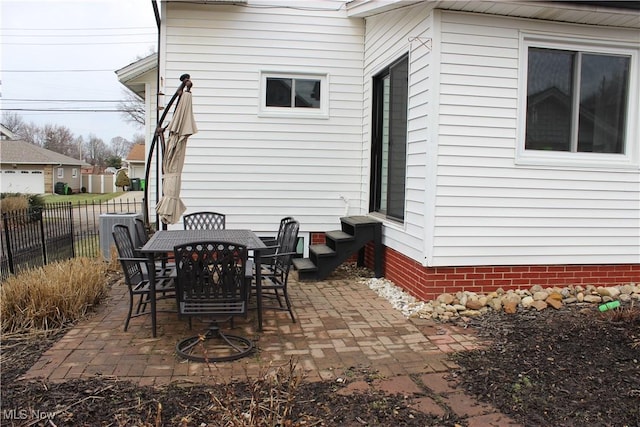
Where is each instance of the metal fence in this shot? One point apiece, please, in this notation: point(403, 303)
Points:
point(37, 236)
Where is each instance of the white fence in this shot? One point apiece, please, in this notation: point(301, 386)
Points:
point(99, 184)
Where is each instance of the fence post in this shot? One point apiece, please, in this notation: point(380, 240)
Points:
point(43, 240)
point(5, 222)
point(73, 240)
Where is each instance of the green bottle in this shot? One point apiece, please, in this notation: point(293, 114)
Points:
point(609, 306)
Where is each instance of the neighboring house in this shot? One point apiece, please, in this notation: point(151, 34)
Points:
point(28, 168)
point(497, 142)
point(5, 133)
point(136, 161)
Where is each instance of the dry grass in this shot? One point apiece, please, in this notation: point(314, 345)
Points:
point(52, 296)
point(14, 203)
point(629, 316)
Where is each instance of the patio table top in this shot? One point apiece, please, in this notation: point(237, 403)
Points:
point(166, 240)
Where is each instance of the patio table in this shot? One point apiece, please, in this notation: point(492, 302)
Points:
point(163, 241)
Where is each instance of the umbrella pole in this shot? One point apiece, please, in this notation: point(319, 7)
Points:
point(186, 82)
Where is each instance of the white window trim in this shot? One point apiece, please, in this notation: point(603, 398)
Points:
point(316, 113)
point(630, 158)
point(74, 173)
point(60, 173)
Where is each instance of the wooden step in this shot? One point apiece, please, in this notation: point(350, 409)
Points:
point(321, 250)
point(306, 269)
point(339, 236)
point(304, 264)
point(359, 220)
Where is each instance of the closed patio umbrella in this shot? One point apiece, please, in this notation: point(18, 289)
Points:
point(182, 126)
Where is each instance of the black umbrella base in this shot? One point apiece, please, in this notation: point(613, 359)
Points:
point(214, 346)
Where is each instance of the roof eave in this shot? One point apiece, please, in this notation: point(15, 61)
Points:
point(127, 75)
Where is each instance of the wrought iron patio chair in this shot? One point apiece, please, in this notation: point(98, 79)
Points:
point(275, 269)
point(204, 221)
point(141, 231)
point(212, 282)
point(273, 243)
point(134, 268)
point(164, 266)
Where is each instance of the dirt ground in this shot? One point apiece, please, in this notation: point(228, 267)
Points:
point(571, 367)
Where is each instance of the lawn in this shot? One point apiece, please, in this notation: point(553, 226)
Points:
point(80, 197)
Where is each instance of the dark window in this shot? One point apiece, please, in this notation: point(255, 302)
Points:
point(389, 140)
point(576, 101)
point(278, 92)
point(288, 92)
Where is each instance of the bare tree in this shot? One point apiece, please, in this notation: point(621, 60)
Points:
point(96, 151)
point(138, 138)
point(14, 122)
point(32, 133)
point(59, 139)
point(120, 147)
point(133, 108)
point(79, 147)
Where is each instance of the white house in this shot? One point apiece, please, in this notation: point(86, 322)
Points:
point(497, 141)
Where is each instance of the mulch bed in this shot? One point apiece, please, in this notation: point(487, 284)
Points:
point(281, 401)
point(570, 367)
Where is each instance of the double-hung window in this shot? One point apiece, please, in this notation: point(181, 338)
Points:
point(579, 102)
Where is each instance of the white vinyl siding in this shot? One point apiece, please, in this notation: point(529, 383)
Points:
point(255, 168)
point(388, 39)
point(490, 210)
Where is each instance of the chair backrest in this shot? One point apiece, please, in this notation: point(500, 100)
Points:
point(274, 243)
point(127, 254)
point(211, 278)
point(287, 248)
point(141, 231)
point(283, 222)
point(204, 221)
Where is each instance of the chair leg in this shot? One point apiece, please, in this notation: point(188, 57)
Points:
point(286, 298)
point(277, 294)
point(126, 323)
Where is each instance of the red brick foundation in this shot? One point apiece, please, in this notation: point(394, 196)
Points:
point(426, 283)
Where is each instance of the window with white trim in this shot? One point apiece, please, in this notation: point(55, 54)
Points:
point(60, 172)
point(294, 94)
point(74, 173)
point(579, 101)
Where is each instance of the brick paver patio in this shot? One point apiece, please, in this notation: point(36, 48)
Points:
point(341, 324)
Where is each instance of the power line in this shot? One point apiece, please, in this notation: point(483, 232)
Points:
point(61, 100)
point(76, 29)
point(55, 71)
point(80, 35)
point(74, 44)
point(67, 110)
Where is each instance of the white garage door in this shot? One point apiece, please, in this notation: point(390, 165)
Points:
point(23, 181)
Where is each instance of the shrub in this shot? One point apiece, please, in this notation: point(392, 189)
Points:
point(122, 179)
point(33, 200)
point(52, 296)
point(14, 203)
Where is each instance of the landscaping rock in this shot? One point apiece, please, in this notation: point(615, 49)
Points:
point(448, 307)
point(553, 302)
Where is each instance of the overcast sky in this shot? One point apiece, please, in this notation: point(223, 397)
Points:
point(56, 52)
